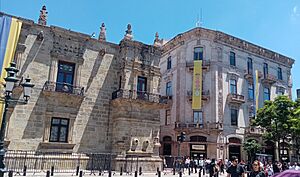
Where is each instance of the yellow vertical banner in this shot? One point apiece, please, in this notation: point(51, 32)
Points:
point(10, 48)
point(15, 29)
point(197, 85)
point(256, 91)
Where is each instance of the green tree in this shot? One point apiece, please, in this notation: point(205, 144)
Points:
point(277, 117)
point(251, 147)
point(295, 121)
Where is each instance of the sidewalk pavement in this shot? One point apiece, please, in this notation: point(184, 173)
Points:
point(116, 174)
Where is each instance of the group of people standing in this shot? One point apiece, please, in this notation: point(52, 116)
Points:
point(257, 168)
point(234, 168)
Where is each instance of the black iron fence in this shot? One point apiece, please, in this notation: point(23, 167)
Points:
point(35, 162)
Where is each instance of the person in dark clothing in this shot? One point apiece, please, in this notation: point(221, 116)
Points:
point(256, 170)
point(275, 168)
point(213, 169)
point(235, 170)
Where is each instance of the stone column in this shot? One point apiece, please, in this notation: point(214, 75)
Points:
point(70, 133)
point(77, 74)
point(18, 59)
point(47, 126)
point(53, 70)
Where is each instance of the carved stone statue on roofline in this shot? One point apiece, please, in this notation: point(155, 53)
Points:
point(102, 35)
point(128, 34)
point(43, 16)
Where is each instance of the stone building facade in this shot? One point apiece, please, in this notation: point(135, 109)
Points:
point(229, 88)
point(90, 95)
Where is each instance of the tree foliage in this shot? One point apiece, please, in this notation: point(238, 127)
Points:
point(280, 118)
point(251, 147)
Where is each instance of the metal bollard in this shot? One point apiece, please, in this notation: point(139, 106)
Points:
point(121, 171)
point(180, 173)
point(24, 170)
point(77, 170)
point(135, 174)
point(159, 174)
point(48, 173)
point(109, 173)
point(52, 170)
point(10, 174)
point(80, 173)
point(140, 171)
point(199, 173)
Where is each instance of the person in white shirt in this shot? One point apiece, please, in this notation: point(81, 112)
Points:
point(187, 162)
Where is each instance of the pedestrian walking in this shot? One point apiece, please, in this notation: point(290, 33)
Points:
point(187, 162)
point(213, 169)
point(256, 170)
point(235, 170)
point(269, 169)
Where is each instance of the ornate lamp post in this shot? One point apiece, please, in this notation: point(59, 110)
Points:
point(9, 86)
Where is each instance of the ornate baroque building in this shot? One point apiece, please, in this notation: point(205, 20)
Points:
point(90, 95)
point(234, 74)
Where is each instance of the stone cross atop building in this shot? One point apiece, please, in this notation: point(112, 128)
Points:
point(157, 42)
point(43, 16)
point(128, 34)
point(102, 35)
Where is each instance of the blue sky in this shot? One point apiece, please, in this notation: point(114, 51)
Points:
point(273, 24)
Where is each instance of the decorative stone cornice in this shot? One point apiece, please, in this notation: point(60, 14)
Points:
point(223, 38)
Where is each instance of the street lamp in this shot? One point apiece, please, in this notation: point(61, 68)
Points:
point(10, 81)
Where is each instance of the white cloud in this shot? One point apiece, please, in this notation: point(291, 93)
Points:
point(295, 14)
point(295, 11)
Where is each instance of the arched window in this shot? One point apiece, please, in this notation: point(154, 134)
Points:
point(234, 140)
point(167, 138)
point(198, 139)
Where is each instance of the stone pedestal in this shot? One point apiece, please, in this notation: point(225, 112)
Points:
point(132, 162)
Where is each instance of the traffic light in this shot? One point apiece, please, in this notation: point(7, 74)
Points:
point(182, 136)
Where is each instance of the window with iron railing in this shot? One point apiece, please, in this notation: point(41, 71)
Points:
point(65, 77)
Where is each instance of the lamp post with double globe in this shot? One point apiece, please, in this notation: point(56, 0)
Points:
point(9, 85)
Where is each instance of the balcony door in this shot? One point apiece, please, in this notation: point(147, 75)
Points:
point(65, 77)
point(141, 87)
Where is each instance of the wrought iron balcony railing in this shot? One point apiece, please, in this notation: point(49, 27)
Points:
point(205, 94)
point(236, 98)
point(205, 64)
point(182, 125)
point(141, 95)
point(269, 78)
point(255, 130)
point(63, 87)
